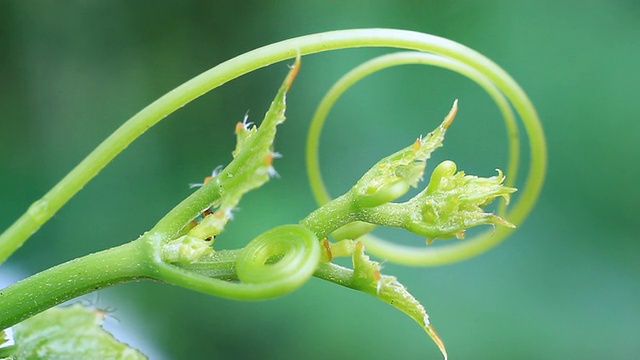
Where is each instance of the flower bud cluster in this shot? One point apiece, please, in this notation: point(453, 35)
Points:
point(453, 202)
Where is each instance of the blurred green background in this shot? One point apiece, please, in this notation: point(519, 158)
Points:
point(565, 286)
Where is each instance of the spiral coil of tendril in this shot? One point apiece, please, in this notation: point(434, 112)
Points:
point(286, 256)
point(501, 95)
point(274, 263)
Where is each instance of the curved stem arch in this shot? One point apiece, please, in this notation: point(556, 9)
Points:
point(44, 208)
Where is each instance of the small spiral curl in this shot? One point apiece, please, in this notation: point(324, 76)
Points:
point(285, 254)
point(274, 263)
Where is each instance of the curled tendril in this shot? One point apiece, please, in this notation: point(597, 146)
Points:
point(274, 263)
point(457, 251)
point(288, 251)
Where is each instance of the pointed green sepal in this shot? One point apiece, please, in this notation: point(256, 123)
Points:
point(392, 176)
point(367, 278)
point(252, 164)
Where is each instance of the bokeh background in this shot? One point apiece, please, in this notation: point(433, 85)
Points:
point(565, 286)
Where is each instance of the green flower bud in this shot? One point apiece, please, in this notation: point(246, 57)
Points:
point(452, 202)
point(386, 192)
point(443, 171)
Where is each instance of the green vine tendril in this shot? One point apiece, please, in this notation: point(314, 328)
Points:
point(178, 249)
point(42, 210)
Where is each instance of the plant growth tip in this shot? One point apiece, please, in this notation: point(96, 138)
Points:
point(451, 115)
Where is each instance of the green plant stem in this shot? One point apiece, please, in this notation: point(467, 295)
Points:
point(173, 222)
point(72, 279)
point(220, 264)
point(43, 209)
point(330, 216)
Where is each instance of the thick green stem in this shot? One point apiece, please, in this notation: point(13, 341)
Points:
point(330, 216)
point(72, 279)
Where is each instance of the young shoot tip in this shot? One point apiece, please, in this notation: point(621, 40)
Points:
point(451, 115)
point(293, 72)
point(436, 339)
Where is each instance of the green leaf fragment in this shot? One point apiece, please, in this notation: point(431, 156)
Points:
point(7, 348)
point(71, 332)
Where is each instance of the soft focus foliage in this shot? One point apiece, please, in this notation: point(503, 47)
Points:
point(70, 332)
point(72, 72)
